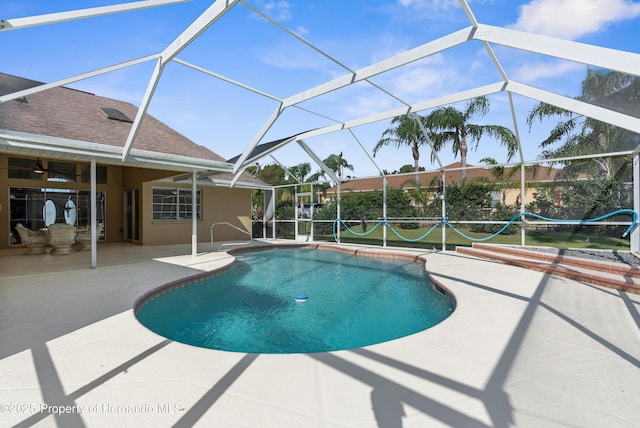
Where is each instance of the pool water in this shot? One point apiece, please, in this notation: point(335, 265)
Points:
point(353, 301)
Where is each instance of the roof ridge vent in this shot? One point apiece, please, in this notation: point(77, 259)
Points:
point(115, 114)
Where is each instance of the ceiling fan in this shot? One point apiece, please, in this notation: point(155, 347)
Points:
point(38, 168)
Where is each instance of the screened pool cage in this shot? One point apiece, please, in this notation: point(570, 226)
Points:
point(533, 198)
point(533, 204)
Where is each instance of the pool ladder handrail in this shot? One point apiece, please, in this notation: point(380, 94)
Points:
point(230, 243)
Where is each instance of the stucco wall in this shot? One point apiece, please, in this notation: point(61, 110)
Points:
point(218, 204)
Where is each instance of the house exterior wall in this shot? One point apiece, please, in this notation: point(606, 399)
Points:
point(218, 204)
point(113, 189)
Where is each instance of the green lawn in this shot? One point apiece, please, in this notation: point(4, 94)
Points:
point(434, 240)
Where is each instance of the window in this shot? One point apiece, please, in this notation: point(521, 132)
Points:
point(56, 171)
point(495, 197)
point(61, 171)
point(71, 206)
point(175, 204)
point(23, 168)
point(101, 173)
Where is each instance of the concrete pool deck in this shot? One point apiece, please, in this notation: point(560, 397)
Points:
point(522, 349)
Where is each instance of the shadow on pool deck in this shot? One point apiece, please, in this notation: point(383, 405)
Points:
point(522, 349)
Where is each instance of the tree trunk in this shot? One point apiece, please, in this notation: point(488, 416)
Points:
point(416, 157)
point(463, 158)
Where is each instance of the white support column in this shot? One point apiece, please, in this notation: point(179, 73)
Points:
point(264, 215)
point(338, 215)
point(94, 216)
point(194, 215)
point(523, 229)
point(444, 210)
point(295, 212)
point(312, 209)
point(384, 210)
point(635, 233)
point(273, 207)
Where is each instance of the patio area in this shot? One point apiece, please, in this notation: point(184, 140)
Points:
point(522, 349)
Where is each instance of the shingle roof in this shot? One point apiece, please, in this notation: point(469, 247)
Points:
point(452, 175)
point(259, 149)
point(68, 113)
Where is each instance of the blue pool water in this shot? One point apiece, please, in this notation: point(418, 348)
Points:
point(353, 301)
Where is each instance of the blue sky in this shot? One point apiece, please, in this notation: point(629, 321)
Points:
point(355, 33)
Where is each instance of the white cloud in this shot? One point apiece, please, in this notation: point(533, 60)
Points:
point(423, 82)
point(411, 84)
point(436, 5)
point(278, 10)
point(544, 70)
point(292, 56)
point(301, 31)
point(572, 19)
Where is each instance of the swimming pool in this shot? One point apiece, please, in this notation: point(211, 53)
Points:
point(255, 306)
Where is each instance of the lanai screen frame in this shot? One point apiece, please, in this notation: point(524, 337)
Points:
point(611, 59)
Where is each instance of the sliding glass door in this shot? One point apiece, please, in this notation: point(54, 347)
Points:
point(37, 208)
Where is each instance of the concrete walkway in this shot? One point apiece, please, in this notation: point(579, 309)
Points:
point(522, 349)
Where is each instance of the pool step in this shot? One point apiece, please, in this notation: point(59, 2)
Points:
point(618, 276)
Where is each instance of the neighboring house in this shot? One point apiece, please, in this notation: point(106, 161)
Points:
point(540, 175)
point(147, 200)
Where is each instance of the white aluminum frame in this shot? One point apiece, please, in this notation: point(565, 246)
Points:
point(488, 35)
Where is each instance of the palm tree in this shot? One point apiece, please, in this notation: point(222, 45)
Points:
point(337, 164)
point(298, 173)
point(405, 131)
point(452, 126)
point(611, 89)
point(594, 136)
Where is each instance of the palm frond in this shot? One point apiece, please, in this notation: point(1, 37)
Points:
point(561, 130)
point(543, 111)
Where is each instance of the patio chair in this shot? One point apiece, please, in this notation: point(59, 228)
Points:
point(83, 237)
point(34, 240)
point(61, 237)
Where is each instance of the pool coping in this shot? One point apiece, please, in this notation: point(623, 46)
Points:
point(522, 349)
point(163, 289)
